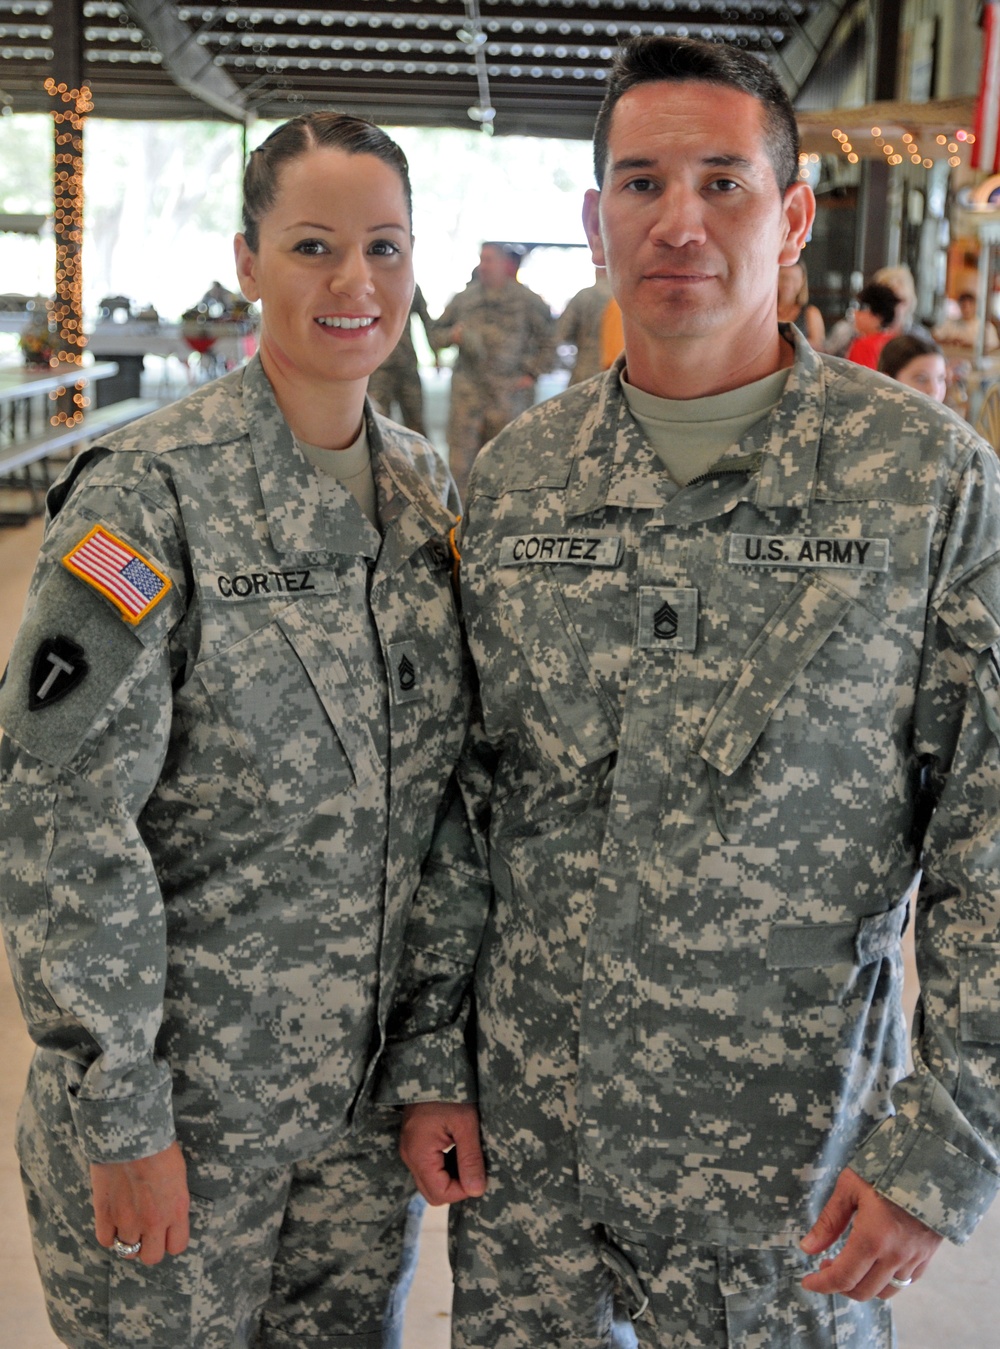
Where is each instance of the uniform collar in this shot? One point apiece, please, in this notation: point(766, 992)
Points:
point(305, 517)
point(611, 463)
point(790, 439)
point(298, 520)
point(410, 514)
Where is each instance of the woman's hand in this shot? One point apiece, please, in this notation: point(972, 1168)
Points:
point(145, 1201)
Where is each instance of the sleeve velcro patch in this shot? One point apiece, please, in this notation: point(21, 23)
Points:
point(131, 582)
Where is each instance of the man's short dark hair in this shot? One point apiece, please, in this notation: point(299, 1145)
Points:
point(646, 60)
point(880, 300)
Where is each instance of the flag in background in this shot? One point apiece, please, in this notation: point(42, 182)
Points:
point(986, 151)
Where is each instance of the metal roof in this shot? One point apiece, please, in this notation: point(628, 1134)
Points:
point(533, 67)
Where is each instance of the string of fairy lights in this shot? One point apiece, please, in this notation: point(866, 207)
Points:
point(69, 115)
point(908, 147)
point(69, 119)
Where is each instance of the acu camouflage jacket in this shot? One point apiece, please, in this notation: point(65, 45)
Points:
point(230, 717)
point(729, 722)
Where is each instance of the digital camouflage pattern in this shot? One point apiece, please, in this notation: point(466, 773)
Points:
point(315, 1252)
point(508, 336)
point(397, 379)
point(579, 325)
point(528, 1273)
point(728, 721)
point(213, 821)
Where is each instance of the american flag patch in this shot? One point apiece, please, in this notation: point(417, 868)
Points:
point(130, 582)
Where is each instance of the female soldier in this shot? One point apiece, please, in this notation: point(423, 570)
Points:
point(794, 306)
point(230, 717)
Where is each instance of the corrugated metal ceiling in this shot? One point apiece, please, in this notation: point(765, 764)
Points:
point(539, 65)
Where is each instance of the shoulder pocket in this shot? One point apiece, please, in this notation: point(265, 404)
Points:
point(110, 657)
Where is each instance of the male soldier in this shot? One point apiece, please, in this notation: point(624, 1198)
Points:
point(397, 379)
point(736, 613)
point(580, 325)
point(504, 335)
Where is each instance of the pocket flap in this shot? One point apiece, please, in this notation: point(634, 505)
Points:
point(336, 692)
point(577, 705)
point(787, 644)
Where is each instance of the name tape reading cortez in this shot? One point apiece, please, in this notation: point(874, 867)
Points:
point(757, 550)
point(248, 585)
point(579, 550)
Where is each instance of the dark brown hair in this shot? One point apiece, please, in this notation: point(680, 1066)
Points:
point(901, 351)
point(882, 301)
point(646, 60)
point(312, 131)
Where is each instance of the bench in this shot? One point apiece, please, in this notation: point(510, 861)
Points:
point(19, 454)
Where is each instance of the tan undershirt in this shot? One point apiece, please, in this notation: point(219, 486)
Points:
point(351, 467)
point(689, 435)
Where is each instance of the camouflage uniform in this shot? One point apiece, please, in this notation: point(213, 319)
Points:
point(397, 379)
point(729, 720)
point(508, 335)
point(579, 326)
point(214, 809)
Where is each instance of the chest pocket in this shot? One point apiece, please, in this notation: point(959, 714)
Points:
point(285, 697)
point(791, 639)
point(745, 775)
point(573, 721)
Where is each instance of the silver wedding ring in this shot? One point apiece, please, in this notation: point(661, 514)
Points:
point(126, 1249)
point(900, 1283)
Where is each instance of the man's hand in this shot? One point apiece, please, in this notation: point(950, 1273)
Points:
point(885, 1243)
point(146, 1200)
point(439, 1142)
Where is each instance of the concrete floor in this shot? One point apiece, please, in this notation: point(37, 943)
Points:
point(956, 1305)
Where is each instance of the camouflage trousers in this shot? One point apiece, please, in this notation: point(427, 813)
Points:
point(476, 415)
point(315, 1255)
point(401, 386)
point(529, 1273)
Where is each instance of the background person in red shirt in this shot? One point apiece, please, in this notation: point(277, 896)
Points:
point(874, 321)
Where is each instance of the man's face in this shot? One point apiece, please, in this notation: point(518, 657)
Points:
point(493, 269)
point(866, 321)
point(690, 222)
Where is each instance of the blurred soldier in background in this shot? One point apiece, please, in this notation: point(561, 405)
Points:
point(505, 338)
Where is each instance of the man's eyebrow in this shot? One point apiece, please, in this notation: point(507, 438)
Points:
point(729, 162)
point(627, 165)
point(633, 162)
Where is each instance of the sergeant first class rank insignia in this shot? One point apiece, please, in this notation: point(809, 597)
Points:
point(128, 580)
